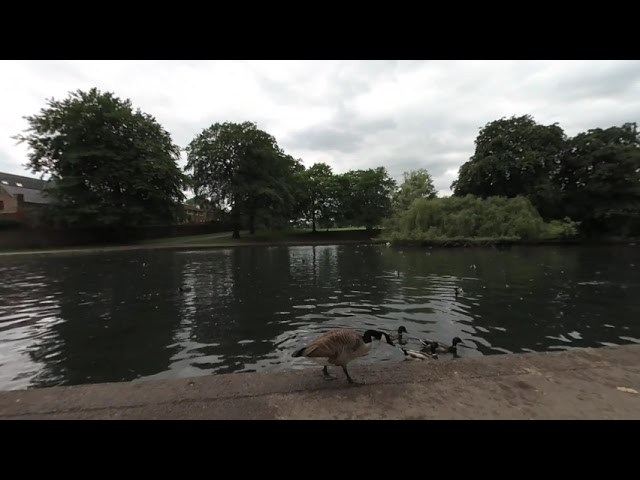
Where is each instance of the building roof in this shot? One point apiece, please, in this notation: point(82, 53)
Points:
point(191, 208)
point(31, 188)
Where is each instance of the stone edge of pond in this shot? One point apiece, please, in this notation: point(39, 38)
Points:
point(596, 380)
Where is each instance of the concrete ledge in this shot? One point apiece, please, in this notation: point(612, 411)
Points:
point(578, 384)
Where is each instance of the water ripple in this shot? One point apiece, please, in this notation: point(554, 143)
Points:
point(124, 316)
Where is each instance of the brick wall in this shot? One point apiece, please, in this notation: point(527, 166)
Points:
point(9, 204)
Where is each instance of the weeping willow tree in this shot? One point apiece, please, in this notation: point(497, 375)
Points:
point(470, 217)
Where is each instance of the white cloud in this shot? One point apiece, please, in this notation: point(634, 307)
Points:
point(350, 114)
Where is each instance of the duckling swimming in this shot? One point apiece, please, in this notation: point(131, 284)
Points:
point(398, 337)
point(339, 347)
point(442, 347)
point(413, 355)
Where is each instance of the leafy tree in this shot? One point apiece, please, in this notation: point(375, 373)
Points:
point(416, 184)
point(514, 156)
point(345, 211)
point(472, 217)
point(366, 196)
point(109, 164)
point(279, 211)
point(240, 167)
point(320, 186)
point(599, 180)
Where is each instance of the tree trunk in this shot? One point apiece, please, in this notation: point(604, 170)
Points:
point(313, 221)
point(252, 224)
point(236, 223)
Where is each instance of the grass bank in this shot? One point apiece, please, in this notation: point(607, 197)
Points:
point(508, 242)
point(224, 240)
point(306, 237)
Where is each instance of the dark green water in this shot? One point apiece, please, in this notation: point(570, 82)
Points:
point(112, 317)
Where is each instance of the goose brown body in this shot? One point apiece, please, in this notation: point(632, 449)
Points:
point(339, 347)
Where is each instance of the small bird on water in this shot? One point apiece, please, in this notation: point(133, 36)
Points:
point(442, 347)
point(413, 355)
point(399, 337)
point(339, 347)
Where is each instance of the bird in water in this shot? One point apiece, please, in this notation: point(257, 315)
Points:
point(184, 289)
point(413, 355)
point(442, 347)
point(458, 291)
point(339, 347)
point(399, 337)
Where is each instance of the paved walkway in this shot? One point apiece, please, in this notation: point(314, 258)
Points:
point(580, 384)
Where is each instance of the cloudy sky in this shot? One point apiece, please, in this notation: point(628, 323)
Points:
point(350, 114)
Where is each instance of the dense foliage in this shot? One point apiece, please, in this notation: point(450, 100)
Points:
point(473, 217)
point(592, 178)
point(241, 168)
point(111, 165)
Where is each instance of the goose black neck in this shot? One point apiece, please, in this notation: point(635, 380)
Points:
point(370, 335)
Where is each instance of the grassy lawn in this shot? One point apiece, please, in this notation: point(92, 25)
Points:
point(293, 235)
point(191, 239)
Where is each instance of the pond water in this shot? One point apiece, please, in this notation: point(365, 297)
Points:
point(110, 317)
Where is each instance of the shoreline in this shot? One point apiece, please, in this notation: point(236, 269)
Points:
point(506, 244)
point(589, 383)
point(498, 244)
point(183, 246)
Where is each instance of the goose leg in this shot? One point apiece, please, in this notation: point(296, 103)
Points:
point(351, 380)
point(327, 375)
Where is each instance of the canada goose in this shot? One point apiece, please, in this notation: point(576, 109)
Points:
point(443, 348)
point(339, 347)
point(413, 355)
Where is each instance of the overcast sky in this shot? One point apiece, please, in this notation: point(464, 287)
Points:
point(350, 114)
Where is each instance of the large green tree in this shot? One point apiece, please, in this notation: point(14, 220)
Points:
point(320, 189)
point(365, 196)
point(278, 210)
point(240, 167)
point(599, 180)
point(416, 184)
point(514, 156)
point(109, 164)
